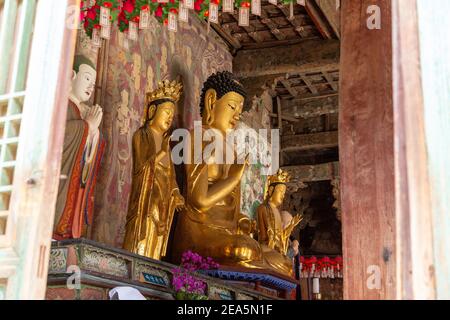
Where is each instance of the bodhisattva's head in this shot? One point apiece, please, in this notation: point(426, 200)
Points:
point(161, 115)
point(277, 193)
point(222, 101)
point(161, 104)
point(83, 78)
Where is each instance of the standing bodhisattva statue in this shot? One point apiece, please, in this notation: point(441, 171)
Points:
point(154, 194)
point(272, 234)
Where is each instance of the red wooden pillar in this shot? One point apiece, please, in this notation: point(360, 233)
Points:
point(367, 151)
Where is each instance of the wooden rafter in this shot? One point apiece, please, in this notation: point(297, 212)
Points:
point(298, 27)
point(319, 19)
point(333, 84)
point(308, 83)
point(271, 25)
point(287, 85)
point(228, 38)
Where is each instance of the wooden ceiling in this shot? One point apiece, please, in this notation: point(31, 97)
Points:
point(308, 85)
point(275, 26)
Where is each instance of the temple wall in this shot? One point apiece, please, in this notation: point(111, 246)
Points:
point(190, 53)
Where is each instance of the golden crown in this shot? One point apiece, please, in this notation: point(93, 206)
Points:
point(281, 177)
point(166, 90)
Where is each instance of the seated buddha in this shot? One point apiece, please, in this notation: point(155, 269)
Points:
point(211, 223)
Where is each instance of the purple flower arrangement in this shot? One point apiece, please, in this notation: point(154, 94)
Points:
point(187, 286)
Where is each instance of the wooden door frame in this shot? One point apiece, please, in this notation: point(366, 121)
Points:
point(397, 226)
point(38, 166)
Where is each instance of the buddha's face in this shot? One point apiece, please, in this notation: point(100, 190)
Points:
point(224, 113)
point(278, 194)
point(83, 83)
point(162, 116)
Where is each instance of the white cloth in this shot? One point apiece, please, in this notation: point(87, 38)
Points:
point(125, 293)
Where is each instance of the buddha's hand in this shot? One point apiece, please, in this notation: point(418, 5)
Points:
point(94, 117)
point(246, 225)
point(296, 220)
point(165, 145)
point(237, 170)
point(179, 201)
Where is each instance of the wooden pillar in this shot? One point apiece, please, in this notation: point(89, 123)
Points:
point(366, 144)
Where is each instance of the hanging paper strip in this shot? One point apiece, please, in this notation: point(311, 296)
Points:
point(184, 13)
point(96, 39)
point(228, 6)
point(144, 18)
point(213, 13)
point(256, 7)
point(244, 17)
point(133, 31)
point(326, 267)
point(105, 13)
point(106, 33)
point(126, 44)
point(189, 4)
point(172, 22)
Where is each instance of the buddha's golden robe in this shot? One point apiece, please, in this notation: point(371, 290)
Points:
point(214, 233)
point(152, 200)
point(273, 239)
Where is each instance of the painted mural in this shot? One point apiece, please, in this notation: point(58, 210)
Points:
point(254, 181)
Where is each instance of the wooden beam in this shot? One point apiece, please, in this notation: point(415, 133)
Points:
point(366, 151)
point(271, 25)
point(319, 19)
point(280, 119)
point(333, 84)
point(284, 118)
point(251, 30)
point(232, 42)
point(302, 142)
point(311, 108)
point(294, 21)
point(308, 56)
point(313, 173)
point(308, 83)
point(333, 15)
point(292, 91)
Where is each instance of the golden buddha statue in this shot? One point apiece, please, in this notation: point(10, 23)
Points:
point(272, 235)
point(154, 195)
point(211, 223)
